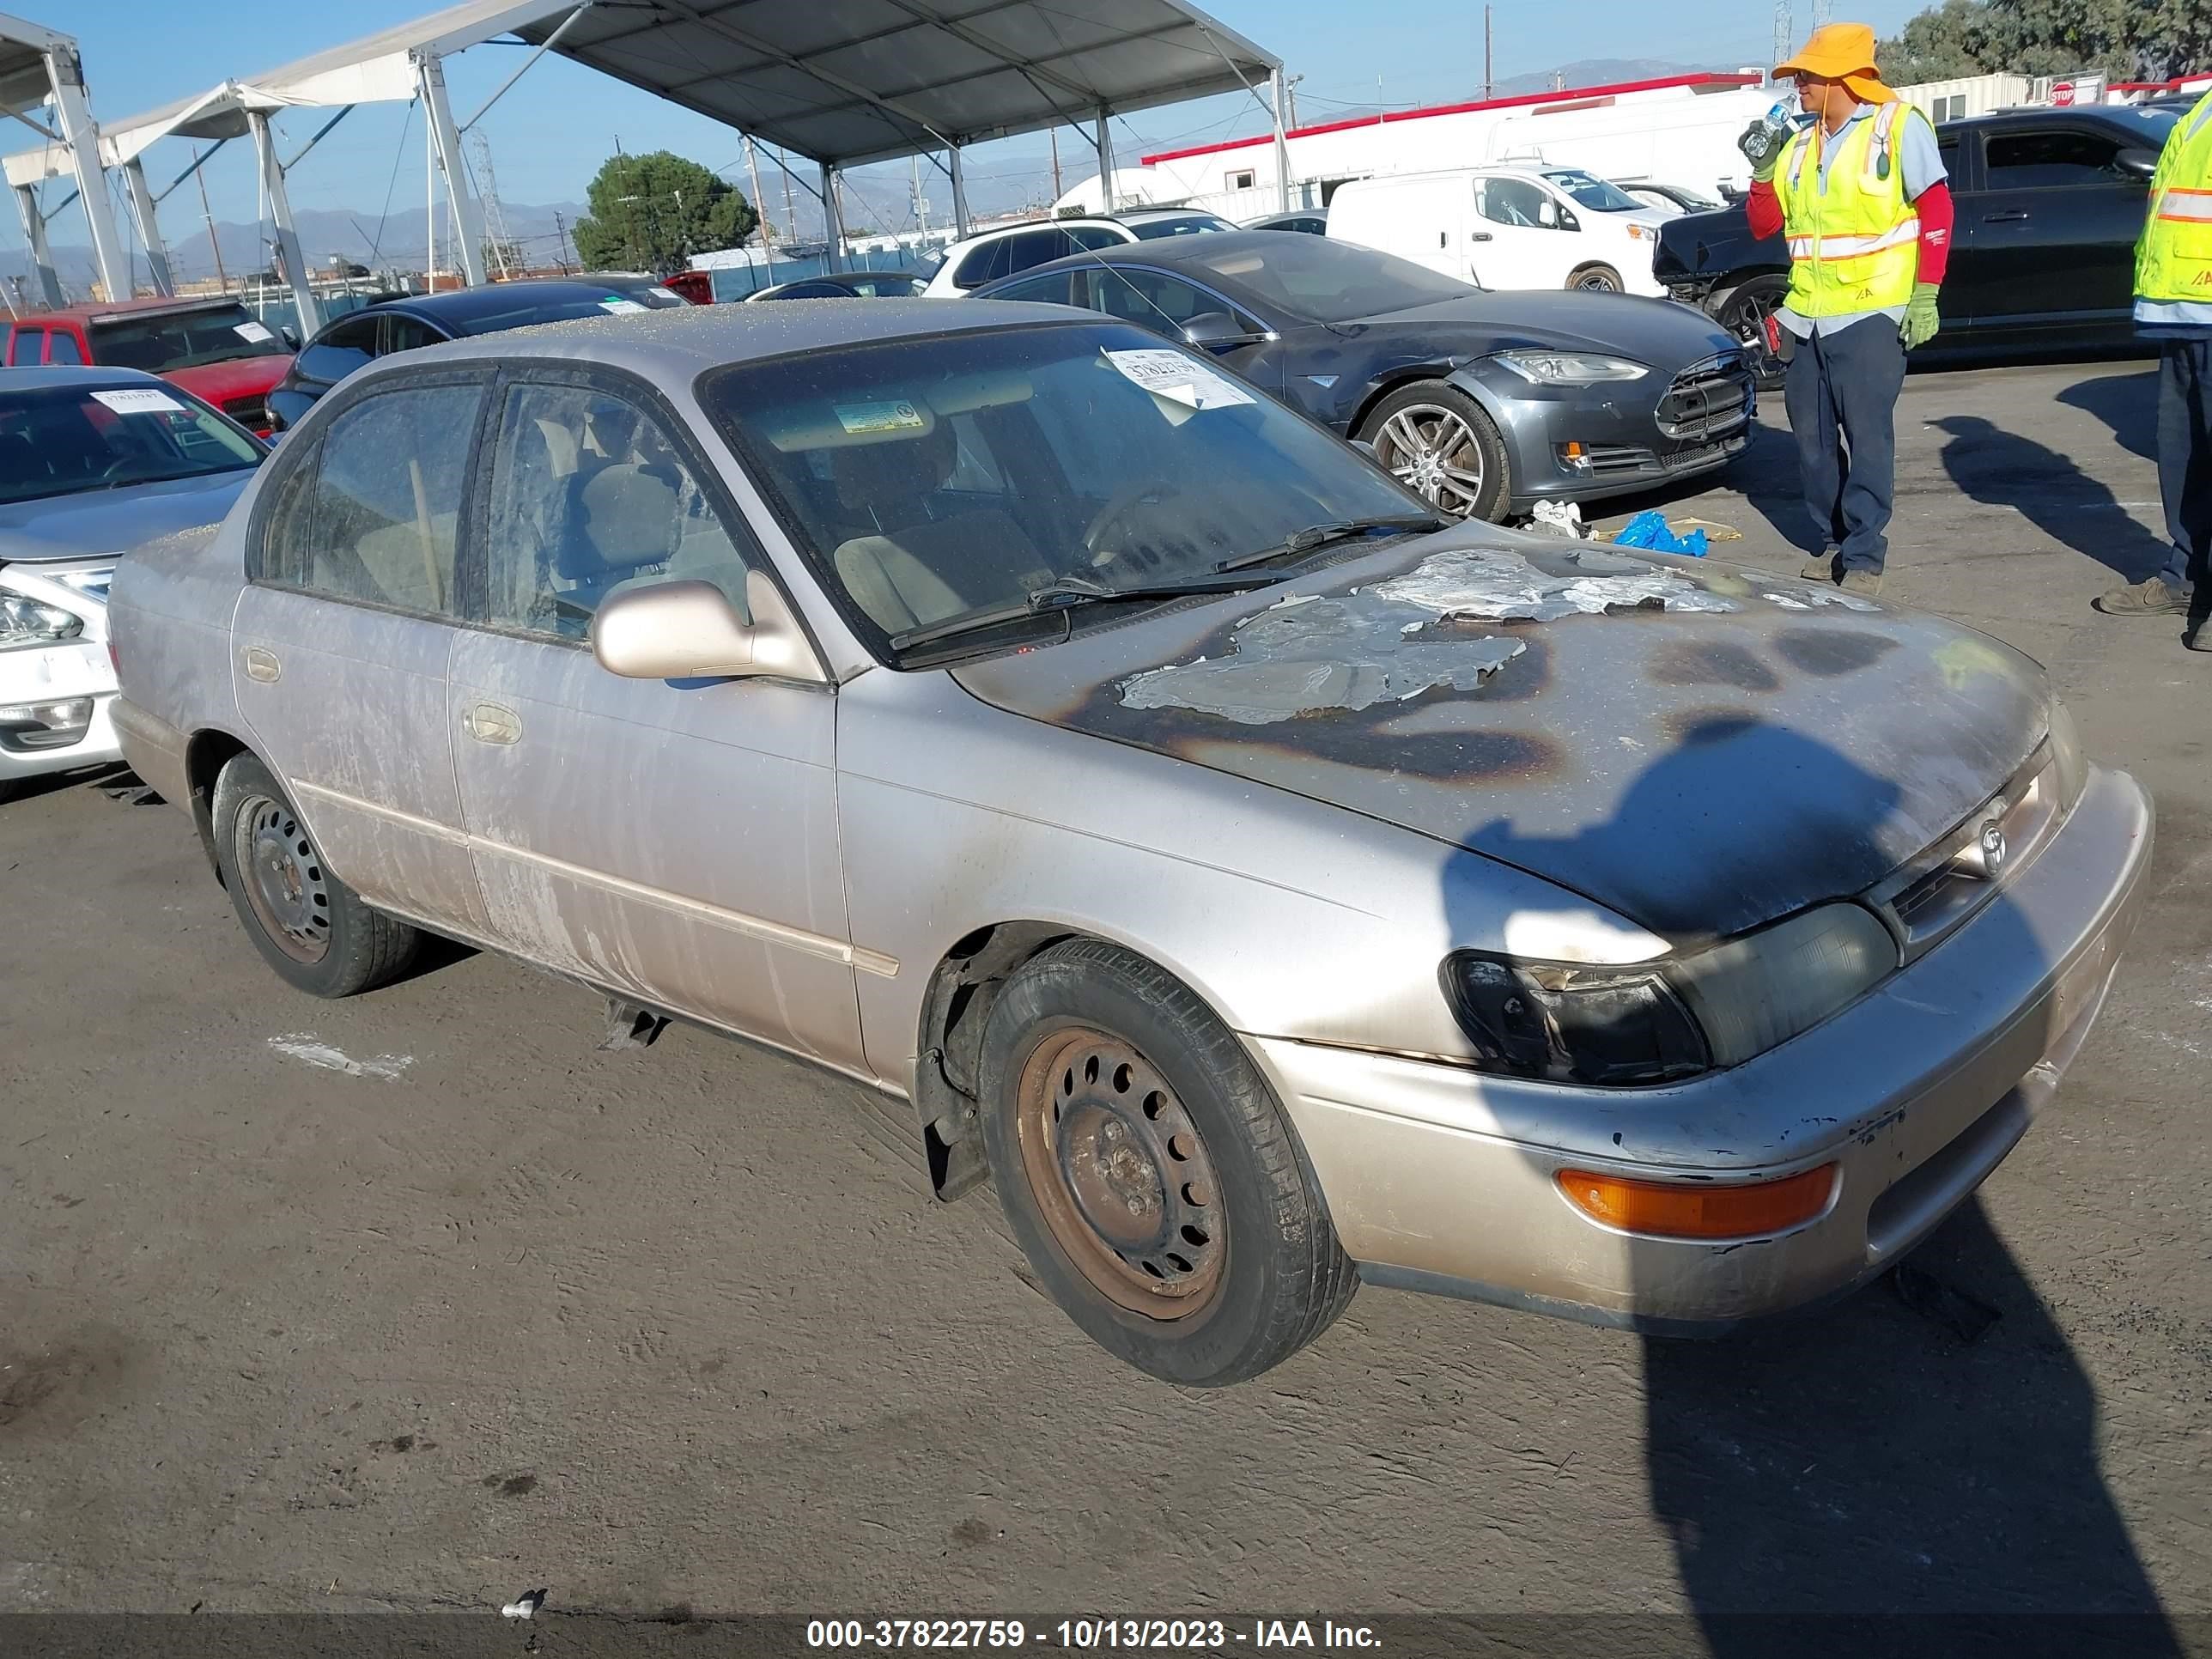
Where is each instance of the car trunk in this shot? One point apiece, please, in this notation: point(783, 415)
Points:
point(1699, 748)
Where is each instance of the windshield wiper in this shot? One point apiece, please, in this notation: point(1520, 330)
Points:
point(1066, 593)
point(1315, 536)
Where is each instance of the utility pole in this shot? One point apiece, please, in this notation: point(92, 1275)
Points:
point(760, 209)
point(561, 230)
point(214, 245)
point(1053, 133)
point(1486, 83)
point(495, 215)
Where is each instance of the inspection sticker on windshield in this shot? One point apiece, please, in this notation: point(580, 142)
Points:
point(253, 332)
point(895, 417)
point(140, 402)
point(616, 303)
point(1174, 376)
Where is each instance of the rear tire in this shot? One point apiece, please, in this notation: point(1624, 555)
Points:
point(1597, 279)
point(308, 926)
point(1147, 1171)
point(1441, 444)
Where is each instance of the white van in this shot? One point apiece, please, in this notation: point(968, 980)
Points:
point(1502, 226)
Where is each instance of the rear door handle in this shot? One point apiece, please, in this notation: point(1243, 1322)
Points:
point(491, 722)
point(2005, 218)
point(261, 665)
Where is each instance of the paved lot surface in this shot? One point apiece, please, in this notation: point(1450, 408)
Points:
point(488, 1310)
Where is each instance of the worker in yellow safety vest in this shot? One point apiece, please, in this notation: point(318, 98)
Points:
point(1859, 191)
point(2173, 306)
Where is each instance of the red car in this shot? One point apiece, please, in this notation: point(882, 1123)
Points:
point(213, 348)
point(696, 286)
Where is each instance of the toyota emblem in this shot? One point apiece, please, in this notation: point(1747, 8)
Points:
point(1993, 847)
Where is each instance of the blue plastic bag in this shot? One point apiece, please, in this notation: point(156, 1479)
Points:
point(1649, 529)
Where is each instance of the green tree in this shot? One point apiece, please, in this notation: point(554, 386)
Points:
point(652, 212)
point(2126, 39)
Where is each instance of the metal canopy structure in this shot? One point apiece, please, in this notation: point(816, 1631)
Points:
point(40, 65)
point(840, 81)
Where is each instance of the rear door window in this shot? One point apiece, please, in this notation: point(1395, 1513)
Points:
point(986, 264)
point(2055, 159)
point(340, 349)
point(1051, 289)
point(406, 333)
point(61, 347)
point(1035, 248)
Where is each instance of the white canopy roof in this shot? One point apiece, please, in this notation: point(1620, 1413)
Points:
point(838, 81)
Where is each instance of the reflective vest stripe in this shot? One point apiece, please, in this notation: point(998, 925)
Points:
point(2185, 205)
point(1852, 248)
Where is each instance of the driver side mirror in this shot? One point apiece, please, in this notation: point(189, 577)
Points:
point(2137, 163)
point(1217, 331)
point(290, 336)
point(682, 630)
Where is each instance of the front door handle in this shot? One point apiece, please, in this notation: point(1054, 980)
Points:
point(1478, 236)
point(2005, 218)
point(491, 722)
point(261, 665)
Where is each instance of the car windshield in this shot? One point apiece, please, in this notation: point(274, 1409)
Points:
point(57, 440)
point(1325, 281)
point(1183, 224)
point(1593, 192)
point(164, 341)
point(931, 479)
point(1690, 200)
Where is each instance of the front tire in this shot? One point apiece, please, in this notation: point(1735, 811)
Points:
point(1747, 313)
point(1149, 1173)
point(308, 926)
point(1597, 279)
point(1443, 446)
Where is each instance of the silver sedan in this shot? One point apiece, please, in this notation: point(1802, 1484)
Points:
point(1266, 887)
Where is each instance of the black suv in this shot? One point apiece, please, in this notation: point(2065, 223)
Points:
point(2050, 202)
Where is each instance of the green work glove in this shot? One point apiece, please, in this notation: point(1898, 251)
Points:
point(1921, 320)
point(1762, 146)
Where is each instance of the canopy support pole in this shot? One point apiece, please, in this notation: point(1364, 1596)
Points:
point(833, 218)
point(468, 217)
point(1282, 144)
point(959, 193)
point(1105, 143)
point(150, 229)
point(42, 255)
point(287, 235)
point(82, 138)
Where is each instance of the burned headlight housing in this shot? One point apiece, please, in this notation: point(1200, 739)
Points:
point(1657, 1021)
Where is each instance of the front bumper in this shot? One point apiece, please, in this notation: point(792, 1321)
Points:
point(1618, 427)
point(56, 674)
point(1442, 1179)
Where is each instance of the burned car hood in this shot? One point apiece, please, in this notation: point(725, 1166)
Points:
point(1656, 331)
point(1700, 747)
point(95, 522)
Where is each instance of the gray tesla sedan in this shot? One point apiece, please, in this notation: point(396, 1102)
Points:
point(1485, 403)
point(1267, 887)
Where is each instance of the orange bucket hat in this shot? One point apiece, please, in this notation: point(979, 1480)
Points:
point(1844, 52)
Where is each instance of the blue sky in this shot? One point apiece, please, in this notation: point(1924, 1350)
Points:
point(549, 134)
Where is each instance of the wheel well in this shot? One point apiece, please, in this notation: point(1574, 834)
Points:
point(1588, 266)
point(1398, 378)
point(205, 756)
point(954, 1010)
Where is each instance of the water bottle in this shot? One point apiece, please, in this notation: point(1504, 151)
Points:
point(1772, 130)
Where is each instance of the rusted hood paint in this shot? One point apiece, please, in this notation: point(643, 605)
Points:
point(1701, 748)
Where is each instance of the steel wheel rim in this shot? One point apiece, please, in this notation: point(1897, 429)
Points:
point(1434, 453)
point(1122, 1175)
point(282, 875)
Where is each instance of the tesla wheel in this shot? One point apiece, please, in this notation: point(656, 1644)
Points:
point(1748, 314)
point(1147, 1171)
point(1597, 279)
point(1437, 441)
point(309, 926)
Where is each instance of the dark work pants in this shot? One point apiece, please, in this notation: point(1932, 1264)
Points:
point(1841, 392)
point(2185, 456)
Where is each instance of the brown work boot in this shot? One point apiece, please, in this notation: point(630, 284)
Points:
point(2154, 597)
point(1864, 583)
point(1822, 569)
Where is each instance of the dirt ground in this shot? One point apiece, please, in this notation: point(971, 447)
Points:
point(417, 1301)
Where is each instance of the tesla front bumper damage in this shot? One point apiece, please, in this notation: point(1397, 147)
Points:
point(1439, 1179)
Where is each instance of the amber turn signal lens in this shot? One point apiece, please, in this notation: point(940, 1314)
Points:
point(1669, 1209)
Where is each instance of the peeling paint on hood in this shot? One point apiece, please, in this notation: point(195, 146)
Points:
point(1700, 749)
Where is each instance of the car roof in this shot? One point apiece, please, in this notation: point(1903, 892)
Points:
point(92, 378)
point(679, 343)
point(462, 304)
point(92, 311)
point(1166, 251)
point(2126, 116)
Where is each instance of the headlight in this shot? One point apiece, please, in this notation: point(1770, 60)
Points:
point(2066, 757)
point(1568, 368)
point(27, 622)
point(1658, 1021)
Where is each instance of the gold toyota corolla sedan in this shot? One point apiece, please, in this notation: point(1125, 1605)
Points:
point(1266, 886)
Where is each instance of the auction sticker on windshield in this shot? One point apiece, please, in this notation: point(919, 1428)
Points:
point(895, 417)
point(137, 401)
point(255, 332)
point(1174, 376)
point(617, 304)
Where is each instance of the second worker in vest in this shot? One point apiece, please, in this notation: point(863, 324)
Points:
point(1862, 196)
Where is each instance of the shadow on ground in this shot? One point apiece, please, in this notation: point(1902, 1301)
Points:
point(2049, 490)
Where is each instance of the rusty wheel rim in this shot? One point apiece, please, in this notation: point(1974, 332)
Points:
point(1122, 1175)
point(283, 878)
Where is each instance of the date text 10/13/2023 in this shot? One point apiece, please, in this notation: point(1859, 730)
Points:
point(1204, 1635)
